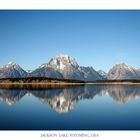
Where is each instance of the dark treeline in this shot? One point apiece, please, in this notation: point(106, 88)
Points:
point(39, 79)
point(55, 80)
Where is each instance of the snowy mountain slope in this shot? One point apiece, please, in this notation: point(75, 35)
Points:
point(123, 71)
point(12, 70)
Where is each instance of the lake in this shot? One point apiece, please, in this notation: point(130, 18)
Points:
point(85, 107)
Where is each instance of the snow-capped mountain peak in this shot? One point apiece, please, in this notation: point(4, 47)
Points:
point(10, 64)
point(64, 66)
point(125, 66)
point(61, 61)
point(12, 70)
point(123, 71)
point(65, 59)
point(62, 56)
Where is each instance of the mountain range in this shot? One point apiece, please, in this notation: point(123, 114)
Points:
point(66, 67)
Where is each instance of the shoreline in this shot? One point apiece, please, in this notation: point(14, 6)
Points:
point(67, 83)
point(51, 81)
point(113, 83)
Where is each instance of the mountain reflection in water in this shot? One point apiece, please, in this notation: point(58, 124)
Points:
point(64, 98)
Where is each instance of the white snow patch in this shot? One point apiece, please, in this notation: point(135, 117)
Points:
point(43, 65)
point(61, 65)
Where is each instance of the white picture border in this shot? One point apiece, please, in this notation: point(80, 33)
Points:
point(73, 5)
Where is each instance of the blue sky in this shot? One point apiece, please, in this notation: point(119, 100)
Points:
point(94, 38)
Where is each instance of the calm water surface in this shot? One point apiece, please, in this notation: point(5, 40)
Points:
point(87, 107)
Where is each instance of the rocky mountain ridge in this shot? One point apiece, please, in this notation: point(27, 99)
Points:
point(66, 67)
